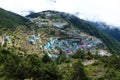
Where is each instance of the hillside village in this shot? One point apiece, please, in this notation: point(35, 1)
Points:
point(53, 45)
point(54, 36)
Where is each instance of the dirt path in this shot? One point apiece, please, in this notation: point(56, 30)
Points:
point(88, 62)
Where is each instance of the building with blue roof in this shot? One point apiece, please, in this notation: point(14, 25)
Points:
point(32, 41)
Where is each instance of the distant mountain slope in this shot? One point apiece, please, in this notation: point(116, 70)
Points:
point(10, 20)
point(111, 30)
point(85, 26)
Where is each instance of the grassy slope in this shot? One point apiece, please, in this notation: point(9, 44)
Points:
point(10, 20)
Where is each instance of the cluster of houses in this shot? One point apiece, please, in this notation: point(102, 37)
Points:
point(76, 40)
point(72, 44)
point(47, 22)
point(69, 45)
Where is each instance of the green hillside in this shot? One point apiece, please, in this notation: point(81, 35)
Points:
point(108, 29)
point(10, 20)
point(42, 49)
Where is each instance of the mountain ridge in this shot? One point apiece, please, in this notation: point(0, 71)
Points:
point(108, 29)
point(11, 20)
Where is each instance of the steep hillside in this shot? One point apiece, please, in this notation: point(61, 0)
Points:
point(46, 25)
point(55, 46)
point(110, 30)
point(10, 20)
point(84, 26)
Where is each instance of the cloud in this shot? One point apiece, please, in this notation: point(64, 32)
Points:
point(105, 10)
point(77, 13)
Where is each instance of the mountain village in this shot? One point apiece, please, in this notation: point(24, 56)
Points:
point(67, 40)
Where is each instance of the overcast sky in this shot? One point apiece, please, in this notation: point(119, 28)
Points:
point(102, 10)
